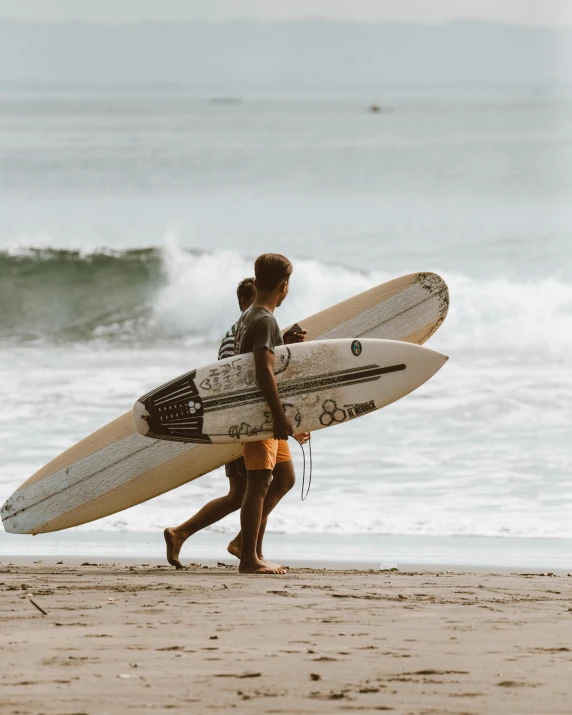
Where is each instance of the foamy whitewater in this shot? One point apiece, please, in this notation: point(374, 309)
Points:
point(126, 224)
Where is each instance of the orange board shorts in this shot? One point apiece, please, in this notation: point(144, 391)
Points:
point(265, 454)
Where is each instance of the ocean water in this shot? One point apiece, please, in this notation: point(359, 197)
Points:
point(125, 223)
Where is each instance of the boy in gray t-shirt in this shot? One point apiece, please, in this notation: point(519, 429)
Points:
point(270, 472)
point(265, 329)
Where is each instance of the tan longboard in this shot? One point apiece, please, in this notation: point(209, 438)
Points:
point(116, 467)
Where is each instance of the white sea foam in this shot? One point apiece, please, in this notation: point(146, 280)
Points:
point(495, 314)
point(199, 299)
point(148, 296)
point(503, 314)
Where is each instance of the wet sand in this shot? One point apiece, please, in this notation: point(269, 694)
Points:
point(119, 639)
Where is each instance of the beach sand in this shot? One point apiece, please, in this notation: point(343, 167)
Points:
point(120, 639)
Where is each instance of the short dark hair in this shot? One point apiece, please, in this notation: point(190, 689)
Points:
point(271, 269)
point(245, 290)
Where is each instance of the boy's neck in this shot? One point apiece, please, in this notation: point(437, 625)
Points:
point(266, 299)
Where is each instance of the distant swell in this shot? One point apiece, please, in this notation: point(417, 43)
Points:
point(151, 296)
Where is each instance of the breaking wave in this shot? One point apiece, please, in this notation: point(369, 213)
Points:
point(152, 295)
point(146, 295)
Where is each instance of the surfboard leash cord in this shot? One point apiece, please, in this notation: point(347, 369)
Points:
point(302, 495)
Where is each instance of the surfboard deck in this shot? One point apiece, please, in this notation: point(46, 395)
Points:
point(116, 468)
point(321, 384)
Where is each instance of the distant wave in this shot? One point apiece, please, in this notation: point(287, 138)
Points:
point(149, 296)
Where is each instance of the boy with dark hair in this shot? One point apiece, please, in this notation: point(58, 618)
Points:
point(245, 292)
point(270, 472)
point(216, 509)
point(253, 333)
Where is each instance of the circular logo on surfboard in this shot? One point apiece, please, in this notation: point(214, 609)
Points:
point(356, 348)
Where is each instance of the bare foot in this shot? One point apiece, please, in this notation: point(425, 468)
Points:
point(272, 564)
point(174, 544)
point(260, 567)
point(235, 548)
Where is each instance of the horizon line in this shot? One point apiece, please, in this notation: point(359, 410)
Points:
point(292, 21)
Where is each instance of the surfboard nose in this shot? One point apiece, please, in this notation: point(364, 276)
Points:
point(140, 414)
point(435, 359)
point(422, 362)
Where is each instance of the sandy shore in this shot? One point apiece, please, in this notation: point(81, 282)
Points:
point(119, 639)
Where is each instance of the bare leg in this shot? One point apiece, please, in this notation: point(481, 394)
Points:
point(257, 486)
point(212, 512)
point(283, 479)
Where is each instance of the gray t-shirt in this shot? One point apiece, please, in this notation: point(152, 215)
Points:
point(257, 328)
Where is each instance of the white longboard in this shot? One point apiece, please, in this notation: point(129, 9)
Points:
point(116, 467)
point(320, 384)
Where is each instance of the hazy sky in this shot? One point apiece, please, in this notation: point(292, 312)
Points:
point(539, 12)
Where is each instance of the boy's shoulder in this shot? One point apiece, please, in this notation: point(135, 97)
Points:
point(255, 315)
point(257, 328)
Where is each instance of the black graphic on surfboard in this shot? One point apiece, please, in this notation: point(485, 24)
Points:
point(332, 413)
point(176, 410)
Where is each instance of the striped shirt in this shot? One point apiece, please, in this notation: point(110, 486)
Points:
point(227, 348)
point(237, 468)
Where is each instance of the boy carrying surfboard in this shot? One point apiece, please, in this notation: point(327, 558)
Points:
point(281, 472)
point(270, 472)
